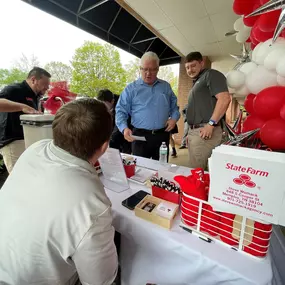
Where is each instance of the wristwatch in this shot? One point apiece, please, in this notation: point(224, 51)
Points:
point(212, 122)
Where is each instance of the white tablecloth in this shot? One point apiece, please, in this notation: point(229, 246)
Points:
point(153, 254)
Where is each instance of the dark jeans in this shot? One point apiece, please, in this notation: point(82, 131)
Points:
point(150, 148)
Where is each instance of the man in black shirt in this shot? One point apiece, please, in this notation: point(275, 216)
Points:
point(11, 132)
point(208, 102)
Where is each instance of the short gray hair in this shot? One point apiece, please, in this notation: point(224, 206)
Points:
point(149, 56)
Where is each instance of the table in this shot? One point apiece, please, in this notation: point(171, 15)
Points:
point(153, 254)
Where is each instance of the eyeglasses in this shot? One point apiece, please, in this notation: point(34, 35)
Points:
point(150, 70)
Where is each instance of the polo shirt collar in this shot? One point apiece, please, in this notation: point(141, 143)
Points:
point(141, 82)
point(201, 72)
point(70, 159)
point(29, 88)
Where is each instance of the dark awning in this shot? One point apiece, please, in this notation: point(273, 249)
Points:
point(107, 20)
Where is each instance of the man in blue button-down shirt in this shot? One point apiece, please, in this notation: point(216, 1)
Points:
point(152, 106)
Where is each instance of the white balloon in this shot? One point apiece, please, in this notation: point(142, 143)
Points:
point(248, 67)
point(273, 58)
point(242, 36)
point(281, 80)
point(235, 79)
point(242, 92)
point(255, 51)
point(280, 68)
point(266, 48)
point(238, 25)
point(260, 79)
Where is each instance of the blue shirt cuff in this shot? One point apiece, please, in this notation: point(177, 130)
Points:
point(121, 127)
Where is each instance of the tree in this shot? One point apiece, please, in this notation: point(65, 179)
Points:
point(25, 63)
point(165, 73)
point(59, 71)
point(11, 76)
point(96, 67)
point(133, 70)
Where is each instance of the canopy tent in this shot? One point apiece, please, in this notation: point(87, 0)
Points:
point(107, 20)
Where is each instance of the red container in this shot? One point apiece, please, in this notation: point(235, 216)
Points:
point(226, 229)
point(165, 195)
point(260, 240)
point(130, 170)
point(192, 206)
point(210, 220)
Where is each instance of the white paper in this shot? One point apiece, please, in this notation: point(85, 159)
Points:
point(113, 171)
point(142, 175)
point(137, 138)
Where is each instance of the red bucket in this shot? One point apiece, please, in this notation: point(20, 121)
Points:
point(130, 170)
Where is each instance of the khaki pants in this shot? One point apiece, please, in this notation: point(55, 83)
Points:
point(11, 152)
point(200, 149)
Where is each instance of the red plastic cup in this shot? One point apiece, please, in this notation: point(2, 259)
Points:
point(130, 170)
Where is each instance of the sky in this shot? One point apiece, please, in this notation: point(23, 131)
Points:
point(30, 31)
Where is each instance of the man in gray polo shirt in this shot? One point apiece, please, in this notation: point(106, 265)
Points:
point(208, 102)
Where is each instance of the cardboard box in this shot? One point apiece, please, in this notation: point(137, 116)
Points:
point(153, 216)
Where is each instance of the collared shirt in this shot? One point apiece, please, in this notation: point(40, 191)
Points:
point(10, 125)
point(202, 100)
point(55, 220)
point(149, 106)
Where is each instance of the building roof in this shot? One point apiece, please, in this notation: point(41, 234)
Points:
point(107, 20)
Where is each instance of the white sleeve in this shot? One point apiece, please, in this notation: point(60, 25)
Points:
point(96, 258)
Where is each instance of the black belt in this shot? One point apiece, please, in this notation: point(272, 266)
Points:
point(153, 132)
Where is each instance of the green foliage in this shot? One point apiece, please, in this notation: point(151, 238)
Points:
point(133, 70)
point(166, 73)
point(11, 76)
point(96, 67)
point(59, 71)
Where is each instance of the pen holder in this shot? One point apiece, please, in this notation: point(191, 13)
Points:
point(165, 195)
point(130, 170)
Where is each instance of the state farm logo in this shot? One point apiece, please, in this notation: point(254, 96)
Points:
point(244, 179)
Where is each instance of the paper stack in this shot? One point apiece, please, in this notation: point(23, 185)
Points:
point(248, 182)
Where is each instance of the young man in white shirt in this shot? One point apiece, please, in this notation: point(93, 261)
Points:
point(55, 217)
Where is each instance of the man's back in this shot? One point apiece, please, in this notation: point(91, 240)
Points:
point(55, 220)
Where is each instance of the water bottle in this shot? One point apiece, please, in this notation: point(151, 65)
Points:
point(163, 153)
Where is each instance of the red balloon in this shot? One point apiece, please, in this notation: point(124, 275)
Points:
point(282, 112)
point(248, 103)
point(250, 21)
point(243, 7)
point(273, 134)
point(268, 102)
point(259, 35)
point(268, 22)
point(252, 122)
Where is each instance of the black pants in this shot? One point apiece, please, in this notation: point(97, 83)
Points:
point(118, 142)
point(150, 148)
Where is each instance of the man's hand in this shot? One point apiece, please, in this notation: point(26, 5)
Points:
point(29, 110)
point(170, 124)
point(206, 132)
point(127, 135)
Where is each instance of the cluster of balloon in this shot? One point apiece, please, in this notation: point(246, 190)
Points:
point(267, 113)
point(262, 81)
point(261, 17)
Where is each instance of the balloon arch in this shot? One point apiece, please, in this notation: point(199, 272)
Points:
point(261, 81)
